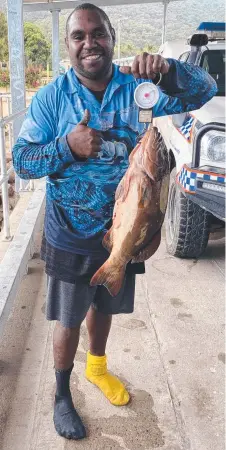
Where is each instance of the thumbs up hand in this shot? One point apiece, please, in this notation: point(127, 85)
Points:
point(83, 141)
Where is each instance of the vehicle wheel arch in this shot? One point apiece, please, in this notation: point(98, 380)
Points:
point(187, 225)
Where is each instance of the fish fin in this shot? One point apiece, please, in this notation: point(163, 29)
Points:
point(127, 180)
point(109, 276)
point(120, 190)
point(149, 249)
point(156, 160)
point(150, 175)
point(133, 152)
point(108, 240)
point(145, 193)
point(123, 187)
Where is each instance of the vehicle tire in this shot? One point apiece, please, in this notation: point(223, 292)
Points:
point(187, 225)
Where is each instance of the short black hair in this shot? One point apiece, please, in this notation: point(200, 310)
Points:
point(85, 6)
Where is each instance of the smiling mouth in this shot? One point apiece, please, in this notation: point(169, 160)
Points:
point(92, 57)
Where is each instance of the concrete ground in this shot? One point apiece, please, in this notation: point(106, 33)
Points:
point(169, 353)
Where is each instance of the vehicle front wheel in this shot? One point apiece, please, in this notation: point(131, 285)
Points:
point(187, 225)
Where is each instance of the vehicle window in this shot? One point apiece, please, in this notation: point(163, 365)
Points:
point(213, 61)
point(184, 56)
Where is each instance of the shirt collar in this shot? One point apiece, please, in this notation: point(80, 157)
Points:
point(70, 83)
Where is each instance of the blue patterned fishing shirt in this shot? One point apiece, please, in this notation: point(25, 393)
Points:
point(80, 194)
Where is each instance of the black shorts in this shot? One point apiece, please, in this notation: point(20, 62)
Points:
point(69, 294)
point(69, 302)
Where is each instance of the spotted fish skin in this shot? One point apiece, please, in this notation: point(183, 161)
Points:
point(141, 200)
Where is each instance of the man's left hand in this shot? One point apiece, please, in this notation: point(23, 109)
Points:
point(147, 66)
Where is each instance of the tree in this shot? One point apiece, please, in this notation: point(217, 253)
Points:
point(37, 48)
point(4, 54)
point(150, 48)
point(46, 27)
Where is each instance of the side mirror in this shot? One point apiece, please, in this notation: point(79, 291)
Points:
point(198, 40)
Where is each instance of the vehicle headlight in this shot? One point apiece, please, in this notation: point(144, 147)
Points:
point(213, 146)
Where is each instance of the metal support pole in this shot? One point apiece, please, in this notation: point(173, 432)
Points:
point(9, 105)
point(55, 43)
point(119, 38)
point(165, 4)
point(16, 60)
point(1, 107)
point(16, 63)
point(10, 125)
point(10, 137)
point(32, 185)
point(5, 196)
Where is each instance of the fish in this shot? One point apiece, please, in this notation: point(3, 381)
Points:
point(139, 210)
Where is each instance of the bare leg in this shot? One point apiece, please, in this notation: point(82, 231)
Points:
point(98, 326)
point(65, 344)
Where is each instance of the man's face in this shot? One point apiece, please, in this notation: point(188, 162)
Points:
point(90, 44)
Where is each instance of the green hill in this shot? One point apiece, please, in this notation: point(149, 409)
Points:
point(143, 23)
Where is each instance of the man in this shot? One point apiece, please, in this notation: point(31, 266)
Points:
point(79, 131)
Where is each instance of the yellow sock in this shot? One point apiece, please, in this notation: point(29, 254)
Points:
point(112, 388)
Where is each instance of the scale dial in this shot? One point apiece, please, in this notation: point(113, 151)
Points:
point(146, 95)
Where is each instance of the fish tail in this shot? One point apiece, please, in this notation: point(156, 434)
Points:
point(110, 275)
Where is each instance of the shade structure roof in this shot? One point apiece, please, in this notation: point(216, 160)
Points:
point(46, 5)
point(15, 10)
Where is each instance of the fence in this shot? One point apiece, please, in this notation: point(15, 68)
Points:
point(6, 121)
point(5, 110)
point(5, 102)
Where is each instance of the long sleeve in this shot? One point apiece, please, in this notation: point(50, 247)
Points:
point(38, 152)
point(36, 161)
point(185, 88)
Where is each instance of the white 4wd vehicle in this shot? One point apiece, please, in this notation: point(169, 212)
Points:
point(196, 143)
